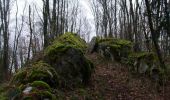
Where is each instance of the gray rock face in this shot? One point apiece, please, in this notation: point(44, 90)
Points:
point(143, 67)
point(66, 55)
point(93, 45)
point(74, 69)
point(110, 48)
point(105, 51)
point(27, 90)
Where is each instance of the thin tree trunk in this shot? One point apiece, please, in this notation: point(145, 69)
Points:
point(153, 32)
point(31, 32)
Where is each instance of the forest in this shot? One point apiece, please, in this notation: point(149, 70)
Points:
point(84, 49)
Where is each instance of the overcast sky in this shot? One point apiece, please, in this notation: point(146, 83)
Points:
point(84, 4)
point(21, 4)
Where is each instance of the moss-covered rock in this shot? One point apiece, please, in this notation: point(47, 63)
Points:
point(113, 48)
point(39, 71)
point(70, 64)
point(62, 64)
point(71, 39)
point(148, 57)
point(37, 90)
point(142, 61)
point(41, 85)
point(67, 57)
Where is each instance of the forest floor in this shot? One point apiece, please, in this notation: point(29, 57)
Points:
point(113, 81)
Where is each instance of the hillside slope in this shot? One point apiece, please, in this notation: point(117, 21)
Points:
point(105, 69)
point(113, 81)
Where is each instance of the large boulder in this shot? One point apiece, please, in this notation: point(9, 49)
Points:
point(62, 64)
point(66, 55)
point(147, 63)
point(111, 48)
point(143, 62)
point(34, 82)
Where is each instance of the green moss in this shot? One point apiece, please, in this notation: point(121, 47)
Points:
point(43, 94)
point(40, 91)
point(57, 50)
point(66, 55)
point(62, 44)
point(123, 42)
point(41, 85)
point(70, 63)
point(3, 94)
point(148, 57)
point(117, 42)
point(39, 71)
point(57, 47)
point(19, 77)
point(118, 48)
point(141, 54)
point(100, 40)
point(135, 60)
point(71, 39)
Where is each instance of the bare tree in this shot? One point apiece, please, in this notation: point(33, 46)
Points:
point(154, 33)
point(31, 34)
point(4, 10)
point(45, 23)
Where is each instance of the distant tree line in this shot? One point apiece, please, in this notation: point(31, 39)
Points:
point(35, 29)
point(144, 22)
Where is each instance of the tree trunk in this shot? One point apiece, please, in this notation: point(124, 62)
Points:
point(153, 33)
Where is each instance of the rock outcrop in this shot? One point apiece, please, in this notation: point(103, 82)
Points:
point(66, 55)
point(61, 65)
point(114, 49)
point(121, 50)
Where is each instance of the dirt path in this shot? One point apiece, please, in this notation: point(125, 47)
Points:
point(112, 81)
